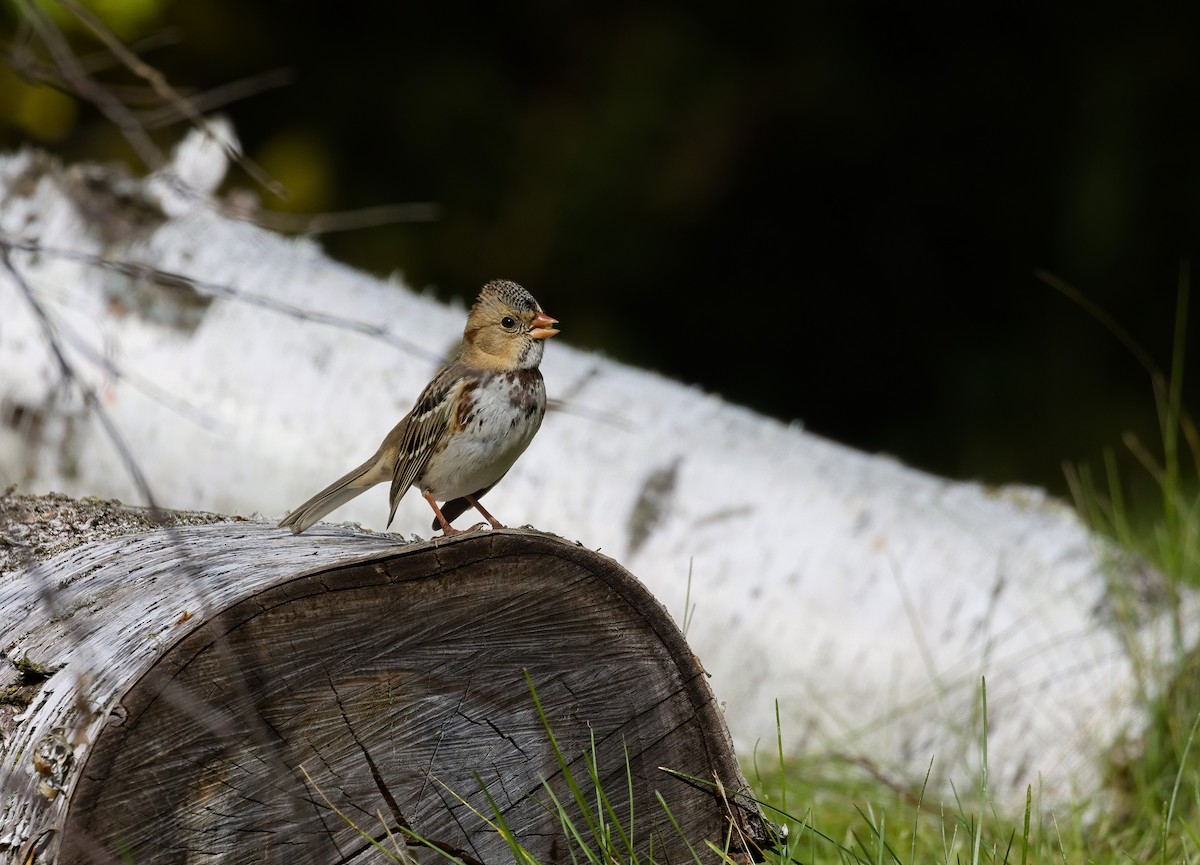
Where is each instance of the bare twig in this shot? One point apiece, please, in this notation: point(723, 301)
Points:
point(347, 220)
point(160, 84)
point(20, 58)
point(161, 395)
point(91, 401)
point(81, 82)
point(209, 100)
point(167, 279)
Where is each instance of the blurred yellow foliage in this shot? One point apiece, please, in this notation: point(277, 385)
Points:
point(128, 19)
point(39, 111)
point(300, 161)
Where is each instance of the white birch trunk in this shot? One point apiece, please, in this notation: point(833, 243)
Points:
point(865, 597)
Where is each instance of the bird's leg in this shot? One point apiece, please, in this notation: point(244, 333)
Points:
point(474, 502)
point(447, 529)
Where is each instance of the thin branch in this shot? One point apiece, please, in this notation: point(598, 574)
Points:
point(155, 112)
point(347, 220)
point(159, 82)
point(83, 84)
point(167, 279)
point(164, 397)
point(208, 100)
point(91, 401)
point(101, 61)
point(18, 55)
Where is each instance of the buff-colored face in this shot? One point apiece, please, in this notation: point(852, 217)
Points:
point(506, 328)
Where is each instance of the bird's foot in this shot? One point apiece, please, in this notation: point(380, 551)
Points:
point(448, 531)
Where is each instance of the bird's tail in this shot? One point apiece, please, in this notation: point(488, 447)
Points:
point(335, 495)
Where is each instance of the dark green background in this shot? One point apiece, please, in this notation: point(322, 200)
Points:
point(828, 212)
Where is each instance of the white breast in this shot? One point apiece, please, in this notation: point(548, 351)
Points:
point(503, 423)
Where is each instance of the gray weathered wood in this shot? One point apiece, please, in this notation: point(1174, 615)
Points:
point(218, 688)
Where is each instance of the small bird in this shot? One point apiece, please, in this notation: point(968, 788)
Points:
point(468, 426)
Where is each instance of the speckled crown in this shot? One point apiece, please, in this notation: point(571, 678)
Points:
point(510, 293)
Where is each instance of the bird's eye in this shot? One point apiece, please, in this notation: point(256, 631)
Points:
point(507, 322)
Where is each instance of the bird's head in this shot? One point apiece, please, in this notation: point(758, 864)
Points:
point(506, 328)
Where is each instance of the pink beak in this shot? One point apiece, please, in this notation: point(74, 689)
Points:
point(543, 326)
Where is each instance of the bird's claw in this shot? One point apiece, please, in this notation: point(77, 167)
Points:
point(449, 531)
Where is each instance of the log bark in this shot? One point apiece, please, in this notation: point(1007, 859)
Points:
point(233, 693)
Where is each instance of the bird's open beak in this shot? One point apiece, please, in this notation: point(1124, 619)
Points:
point(543, 326)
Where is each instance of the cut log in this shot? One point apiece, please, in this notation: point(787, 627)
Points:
point(234, 693)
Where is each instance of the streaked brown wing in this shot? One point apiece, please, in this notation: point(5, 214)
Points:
point(427, 423)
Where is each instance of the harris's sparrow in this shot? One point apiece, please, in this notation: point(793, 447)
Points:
point(468, 426)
